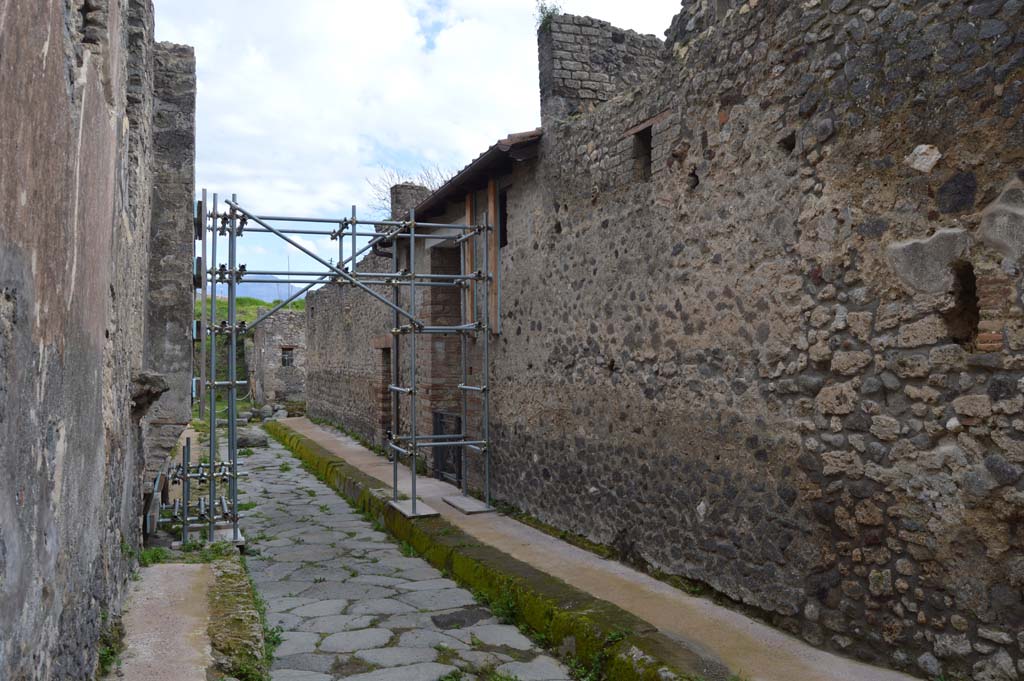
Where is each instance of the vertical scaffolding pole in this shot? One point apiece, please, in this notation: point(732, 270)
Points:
point(213, 372)
point(485, 372)
point(186, 465)
point(352, 264)
point(413, 414)
point(463, 351)
point(395, 366)
point(202, 311)
point(232, 377)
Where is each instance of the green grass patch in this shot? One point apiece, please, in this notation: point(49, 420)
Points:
point(445, 655)
point(238, 631)
point(245, 307)
point(197, 552)
point(110, 644)
point(153, 555)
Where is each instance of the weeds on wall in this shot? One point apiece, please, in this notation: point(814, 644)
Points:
point(546, 11)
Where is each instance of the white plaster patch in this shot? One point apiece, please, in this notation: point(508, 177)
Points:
point(923, 158)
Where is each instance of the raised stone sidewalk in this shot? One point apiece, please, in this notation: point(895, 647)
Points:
point(352, 604)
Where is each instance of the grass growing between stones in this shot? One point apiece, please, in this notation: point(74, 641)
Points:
point(110, 644)
point(153, 555)
point(479, 674)
point(238, 632)
point(593, 668)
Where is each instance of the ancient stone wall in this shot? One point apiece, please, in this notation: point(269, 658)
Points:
point(169, 313)
point(349, 356)
point(786, 360)
point(762, 324)
point(75, 190)
point(279, 339)
point(584, 61)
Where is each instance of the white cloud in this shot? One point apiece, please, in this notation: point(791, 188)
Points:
point(299, 103)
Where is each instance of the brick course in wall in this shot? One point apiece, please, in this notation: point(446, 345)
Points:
point(585, 62)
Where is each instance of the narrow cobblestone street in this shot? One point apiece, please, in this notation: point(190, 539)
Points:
point(352, 604)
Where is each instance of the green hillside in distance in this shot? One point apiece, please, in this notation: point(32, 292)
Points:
point(246, 308)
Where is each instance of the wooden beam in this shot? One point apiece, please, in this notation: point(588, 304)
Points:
point(492, 252)
point(469, 264)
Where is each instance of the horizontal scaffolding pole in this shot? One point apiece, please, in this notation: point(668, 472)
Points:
point(341, 232)
point(407, 438)
point(350, 221)
point(285, 274)
point(449, 443)
point(437, 284)
point(474, 388)
point(417, 276)
point(256, 280)
point(311, 232)
point(451, 329)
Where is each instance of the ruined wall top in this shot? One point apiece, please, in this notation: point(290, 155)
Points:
point(696, 15)
point(404, 197)
point(584, 61)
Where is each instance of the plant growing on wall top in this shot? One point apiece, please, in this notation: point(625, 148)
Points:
point(546, 11)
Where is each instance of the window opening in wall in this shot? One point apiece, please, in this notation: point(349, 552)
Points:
point(502, 219)
point(642, 140)
point(287, 357)
point(962, 320)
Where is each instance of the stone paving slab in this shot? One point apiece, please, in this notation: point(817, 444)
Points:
point(351, 605)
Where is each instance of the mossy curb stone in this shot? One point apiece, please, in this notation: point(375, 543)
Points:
point(586, 631)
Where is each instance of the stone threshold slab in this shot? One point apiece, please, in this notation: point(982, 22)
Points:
point(422, 510)
point(468, 505)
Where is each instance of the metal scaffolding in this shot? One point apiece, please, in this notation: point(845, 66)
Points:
point(401, 236)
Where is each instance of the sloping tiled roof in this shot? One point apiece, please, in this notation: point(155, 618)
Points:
point(516, 147)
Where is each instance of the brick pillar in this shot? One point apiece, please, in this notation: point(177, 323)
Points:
point(995, 303)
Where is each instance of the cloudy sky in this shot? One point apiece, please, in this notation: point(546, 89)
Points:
point(299, 103)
